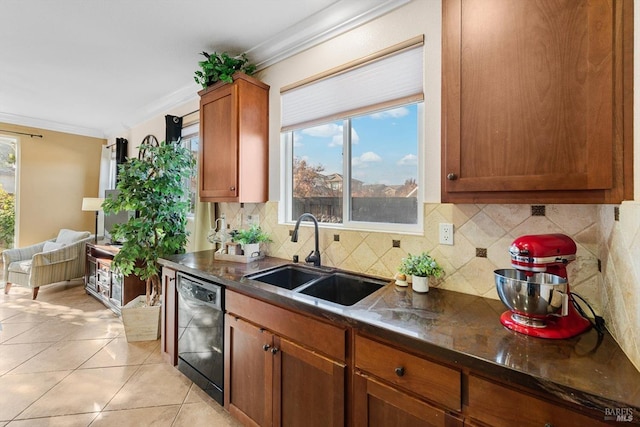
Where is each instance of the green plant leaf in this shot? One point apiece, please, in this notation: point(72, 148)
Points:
point(221, 66)
point(154, 188)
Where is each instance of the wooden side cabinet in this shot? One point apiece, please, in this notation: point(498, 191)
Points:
point(169, 321)
point(537, 101)
point(107, 284)
point(234, 141)
point(274, 380)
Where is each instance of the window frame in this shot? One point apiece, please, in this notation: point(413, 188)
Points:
point(286, 210)
point(189, 131)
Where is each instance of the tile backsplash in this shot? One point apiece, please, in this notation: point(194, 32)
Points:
point(482, 236)
point(619, 248)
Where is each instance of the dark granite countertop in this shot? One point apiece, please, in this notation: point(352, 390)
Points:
point(459, 329)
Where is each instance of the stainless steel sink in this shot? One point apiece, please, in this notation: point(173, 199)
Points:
point(287, 277)
point(343, 289)
point(333, 286)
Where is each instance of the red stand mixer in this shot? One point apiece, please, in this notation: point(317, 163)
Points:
point(537, 291)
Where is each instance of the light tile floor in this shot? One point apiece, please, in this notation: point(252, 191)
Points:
point(65, 361)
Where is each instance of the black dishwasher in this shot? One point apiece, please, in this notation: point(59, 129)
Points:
point(201, 333)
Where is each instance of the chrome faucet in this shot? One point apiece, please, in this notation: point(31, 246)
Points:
point(314, 256)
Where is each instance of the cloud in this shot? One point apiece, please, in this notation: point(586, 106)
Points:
point(370, 156)
point(324, 131)
point(394, 113)
point(365, 160)
point(336, 141)
point(408, 160)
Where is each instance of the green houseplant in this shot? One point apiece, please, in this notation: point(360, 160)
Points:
point(220, 67)
point(420, 267)
point(251, 239)
point(153, 186)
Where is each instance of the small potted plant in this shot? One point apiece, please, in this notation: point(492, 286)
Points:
point(420, 268)
point(221, 67)
point(250, 240)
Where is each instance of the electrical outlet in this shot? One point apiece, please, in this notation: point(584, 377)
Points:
point(446, 234)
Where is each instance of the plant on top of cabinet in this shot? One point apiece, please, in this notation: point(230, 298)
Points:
point(221, 67)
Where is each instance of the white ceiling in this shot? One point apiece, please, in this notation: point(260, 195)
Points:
point(98, 67)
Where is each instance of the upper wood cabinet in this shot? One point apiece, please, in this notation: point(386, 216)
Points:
point(234, 141)
point(537, 101)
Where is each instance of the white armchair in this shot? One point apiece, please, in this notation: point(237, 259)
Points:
point(51, 261)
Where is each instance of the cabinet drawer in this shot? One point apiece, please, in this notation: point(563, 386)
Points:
point(326, 338)
point(434, 381)
point(501, 406)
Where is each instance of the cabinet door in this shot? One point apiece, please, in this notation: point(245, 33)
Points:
point(248, 372)
point(530, 100)
point(219, 143)
point(309, 389)
point(169, 323)
point(376, 404)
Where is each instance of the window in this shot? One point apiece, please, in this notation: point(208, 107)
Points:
point(352, 143)
point(362, 171)
point(191, 140)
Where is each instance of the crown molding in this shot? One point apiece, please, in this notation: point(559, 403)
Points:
point(318, 28)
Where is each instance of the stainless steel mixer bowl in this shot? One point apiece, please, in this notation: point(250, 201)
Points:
point(530, 296)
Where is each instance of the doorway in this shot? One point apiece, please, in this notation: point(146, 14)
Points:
point(8, 165)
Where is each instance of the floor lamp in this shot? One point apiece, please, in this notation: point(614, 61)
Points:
point(93, 204)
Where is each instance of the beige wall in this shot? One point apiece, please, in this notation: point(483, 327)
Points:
point(54, 174)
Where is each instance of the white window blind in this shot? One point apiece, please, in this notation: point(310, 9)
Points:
point(394, 78)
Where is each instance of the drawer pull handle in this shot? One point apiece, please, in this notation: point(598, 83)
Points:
point(266, 347)
point(548, 425)
point(274, 350)
point(232, 188)
point(399, 371)
point(452, 176)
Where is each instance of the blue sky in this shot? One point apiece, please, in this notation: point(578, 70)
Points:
point(384, 146)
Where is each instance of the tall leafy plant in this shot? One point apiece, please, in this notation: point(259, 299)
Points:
point(152, 185)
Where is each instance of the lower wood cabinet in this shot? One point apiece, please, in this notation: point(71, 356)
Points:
point(390, 385)
point(377, 404)
point(499, 406)
point(169, 321)
point(430, 380)
point(248, 372)
point(272, 380)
